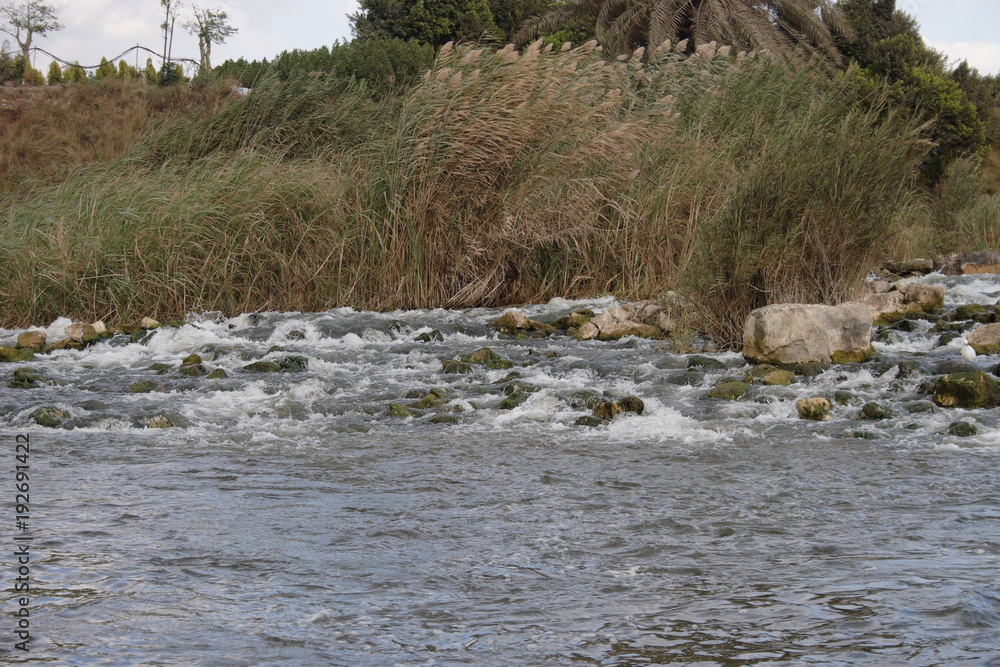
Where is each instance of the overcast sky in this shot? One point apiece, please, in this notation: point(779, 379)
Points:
point(962, 29)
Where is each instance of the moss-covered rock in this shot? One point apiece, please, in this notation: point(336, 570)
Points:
point(814, 409)
point(429, 336)
point(807, 369)
point(452, 367)
point(632, 404)
point(193, 370)
point(49, 416)
point(759, 371)
point(514, 400)
point(13, 355)
point(920, 407)
point(191, 360)
point(574, 320)
point(263, 367)
point(217, 374)
point(967, 390)
point(159, 421)
point(481, 357)
point(842, 397)
point(608, 410)
point(25, 378)
point(728, 391)
point(701, 361)
point(445, 419)
point(972, 310)
point(875, 412)
point(514, 322)
point(778, 378)
point(854, 356)
point(401, 412)
point(31, 340)
point(142, 387)
point(963, 429)
point(502, 364)
point(590, 420)
point(584, 400)
point(429, 401)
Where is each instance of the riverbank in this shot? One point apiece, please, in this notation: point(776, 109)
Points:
point(500, 179)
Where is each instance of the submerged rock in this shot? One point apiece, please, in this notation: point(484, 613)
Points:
point(429, 336)
point(263, 367)
point(963, 429)
point(143, 387)
point(159, 421)
point(452, 367)
point(217, 374)
point(875, 412)
point(25, 378)
point(49, 416)
point(401, 411)
point(967, 390)
point(728, 391)
point(513, 400)
point(797, 333)
point(590, 420)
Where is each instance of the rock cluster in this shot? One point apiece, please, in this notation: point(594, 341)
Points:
point(892, 302)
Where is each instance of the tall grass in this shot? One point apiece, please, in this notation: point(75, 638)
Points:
point(502, 178)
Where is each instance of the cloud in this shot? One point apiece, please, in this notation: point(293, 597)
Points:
point(984, 56)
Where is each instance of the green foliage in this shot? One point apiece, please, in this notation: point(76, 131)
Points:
point(32, 77)
point(246, 73)
point(55, 73)
point(382, 64)
point(984, 93)
point(18, 68)
point(171, 74)
point(510, 15)
point(152, 78)
point(74, 73)
point(887, 46)
point(432, 21)
point(126, 71)
point(106, 70)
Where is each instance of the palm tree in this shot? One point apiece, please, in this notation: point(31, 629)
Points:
point(781, 26)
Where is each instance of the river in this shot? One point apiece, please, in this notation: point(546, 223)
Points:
point(287, 519)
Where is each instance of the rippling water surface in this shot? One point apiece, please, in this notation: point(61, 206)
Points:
point(287, 519)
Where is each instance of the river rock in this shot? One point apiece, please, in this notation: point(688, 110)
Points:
point(985, 339)
point(963, 429)
point(981, 261)
point(514, 321)
point(928, 297)
point(875, 412)
point(31, 340)
point(49, 416)
point(798, 333)
point(82, 333)
point(481, 357)
point(967, 390)
point(401, 412)
point(25, 378)
point(619, 322)
point(728, 391)
point(778, 378)
point(10, 354)
point(814, 409)
point(148, 323)
point(910, 267)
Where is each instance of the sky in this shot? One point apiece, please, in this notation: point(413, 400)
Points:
point(962, 29)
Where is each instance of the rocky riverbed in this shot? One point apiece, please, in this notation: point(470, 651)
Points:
point(392, 488)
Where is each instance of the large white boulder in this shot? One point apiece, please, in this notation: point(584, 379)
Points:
point(797, 333)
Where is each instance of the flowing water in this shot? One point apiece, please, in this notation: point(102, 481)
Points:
point(287, 519)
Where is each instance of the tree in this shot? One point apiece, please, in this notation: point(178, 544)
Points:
point(74, 73)
point(509, 15)
point(432, 21)
point(210, 27)
point(170, 8)
point(106, 70)
point(55, 73)
point(126, 71)
point(782, 26)
point(26, 20)
point(150, 73)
